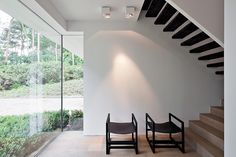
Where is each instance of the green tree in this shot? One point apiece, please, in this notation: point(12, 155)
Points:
point(15, 37)
point(71, 59)
point(2, 58)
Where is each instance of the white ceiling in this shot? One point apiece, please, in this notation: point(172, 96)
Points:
point(87, 10)
point(58, 13)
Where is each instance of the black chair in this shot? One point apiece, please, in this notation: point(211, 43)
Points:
point(169, 128)
point(122, 128)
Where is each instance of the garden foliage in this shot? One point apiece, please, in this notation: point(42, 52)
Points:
point(14, 76)
point(15, 130)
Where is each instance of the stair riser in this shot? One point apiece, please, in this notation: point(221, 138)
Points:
point(217, 112)
point(197, 147)
point(207, 135)
point(213, 123)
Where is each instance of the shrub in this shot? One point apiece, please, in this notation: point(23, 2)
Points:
point(11, 146)
point(76, 121)
point(76, 114)
point(10, 75)
point(14, 131)
point(14, 76)
point(73, 87)
point(51, 72)
point(51, 120)
point(72, 72)
point(14, 126)
point(42, 73)
point(70, 88)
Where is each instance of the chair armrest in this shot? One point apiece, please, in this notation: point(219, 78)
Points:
point(149, 119)
point(134, 121)
point(176, 118)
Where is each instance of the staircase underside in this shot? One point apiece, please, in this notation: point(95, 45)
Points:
point(197, 41)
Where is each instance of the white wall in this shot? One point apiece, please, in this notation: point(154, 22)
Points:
point(208, 15)
point(230, 77)
point(135, 68)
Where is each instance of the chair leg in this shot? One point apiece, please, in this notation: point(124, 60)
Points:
point(107, 143)
point(136, 148)
point(183, 142)
point(107, 149)
point(136, 143)
point(153, 142)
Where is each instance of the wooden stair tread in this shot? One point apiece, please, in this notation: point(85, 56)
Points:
point(175, 23)
point(205, 47)
point(215, 151)
point(219, 72)
point(146, 4)
point(218, 107)
point(164, 16)
point(218, 111)
point(215, 65)
point(208, 128)
point(195, 39)
point(214, 117)
point(154, 7)
point(212, 56)
point(188, 29)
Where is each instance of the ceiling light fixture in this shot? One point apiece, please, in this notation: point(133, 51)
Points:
point(106, 12)
point(129, 11)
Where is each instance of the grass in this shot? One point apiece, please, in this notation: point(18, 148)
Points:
point(71, 88)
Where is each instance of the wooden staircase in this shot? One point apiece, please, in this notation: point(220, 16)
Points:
point(206, 135)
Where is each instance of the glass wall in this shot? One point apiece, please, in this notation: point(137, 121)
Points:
point(73, 81)
point(30, 87)
point(31, 109)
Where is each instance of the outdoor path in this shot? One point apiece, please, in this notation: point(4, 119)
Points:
point(19, 106)
point(74, 144)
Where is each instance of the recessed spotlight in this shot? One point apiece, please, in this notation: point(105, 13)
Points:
point(106, 12)
point(107, 16)
point(129, 11)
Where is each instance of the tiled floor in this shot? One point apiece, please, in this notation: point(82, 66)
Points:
point(74, 144)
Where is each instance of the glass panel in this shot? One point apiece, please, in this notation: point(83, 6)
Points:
point(73, 99)
point(30, 87)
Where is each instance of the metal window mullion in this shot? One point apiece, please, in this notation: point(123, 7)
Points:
point(62, 79)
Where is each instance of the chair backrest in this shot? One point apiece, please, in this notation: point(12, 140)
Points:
point(108, 118)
